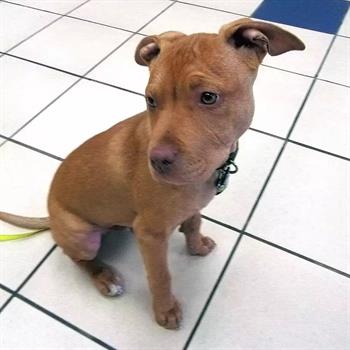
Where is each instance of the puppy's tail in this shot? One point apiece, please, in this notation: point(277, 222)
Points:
point(26, 222)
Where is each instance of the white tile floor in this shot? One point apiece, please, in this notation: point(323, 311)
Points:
point(286, 283)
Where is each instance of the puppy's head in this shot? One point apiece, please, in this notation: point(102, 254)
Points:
point(199, 95)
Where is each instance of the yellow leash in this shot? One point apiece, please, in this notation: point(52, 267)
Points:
point(4, 238)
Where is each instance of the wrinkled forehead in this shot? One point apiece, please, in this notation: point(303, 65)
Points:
point(198, 59)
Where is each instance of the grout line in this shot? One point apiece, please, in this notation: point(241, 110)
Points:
point(221, 223)
point(72, 17)
point(19, 143)
point(304, 75)
point(9, 298)
point(103, 24)
point(44, 27)
point(65, 322)
point(34, 8)
point(266, 133)
point(287, 70)
point(300, 144)
point(343, 36)
point(72, 74)
point(301, 256)
point(328, 81)
point(36, 268)
point(2, 286)
point(333, 82)
point(272, 244)
point(211, 295)
point(212, 8)
point(319, 150)
point(92, 68)
point(14, 294)
point(252, 211)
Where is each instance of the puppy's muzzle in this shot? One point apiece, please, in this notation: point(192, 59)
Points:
point(163, 159)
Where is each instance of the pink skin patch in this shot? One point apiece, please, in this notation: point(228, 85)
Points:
point(93, 239)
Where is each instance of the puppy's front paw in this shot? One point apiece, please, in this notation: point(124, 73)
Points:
point(169, 318)
point(203, 246)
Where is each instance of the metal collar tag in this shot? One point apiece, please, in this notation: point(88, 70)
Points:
point(223, 173)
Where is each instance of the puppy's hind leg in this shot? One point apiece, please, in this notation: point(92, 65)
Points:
point(107, 280)
point(81, 241)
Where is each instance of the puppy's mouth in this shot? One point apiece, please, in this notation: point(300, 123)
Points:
point(181, 175)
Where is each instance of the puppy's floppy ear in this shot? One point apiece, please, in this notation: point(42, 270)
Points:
point(261, 37)
point(150, 46)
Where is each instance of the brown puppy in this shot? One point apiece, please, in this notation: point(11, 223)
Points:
point(157, 170)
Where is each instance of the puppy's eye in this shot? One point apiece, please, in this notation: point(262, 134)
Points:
point(151, 101)
point(209, 98)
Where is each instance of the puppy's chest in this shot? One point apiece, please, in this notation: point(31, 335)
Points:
point(198, 197)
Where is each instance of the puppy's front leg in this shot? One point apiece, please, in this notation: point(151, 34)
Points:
point(153, 245)
point(197, 244)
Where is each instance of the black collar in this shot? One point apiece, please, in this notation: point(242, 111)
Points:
point(223, 173)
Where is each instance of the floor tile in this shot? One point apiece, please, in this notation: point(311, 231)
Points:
point(75, 45)
point(246, 7)
point(303, 62)
point(256, 155)
point(58, 6)
point(189, 19)
point(305, 207)
point(19, 22)
point(3, 296)
point(323, 16)
point(25, 89)
point(272, 300)
point(120, 68)
point(337, 66)
point(278, 97)
point(345, 27)
point(87, 109)
point(326, 125)
point(20, 322)
point(127, 322)
point(129, 15)
point(24, 183)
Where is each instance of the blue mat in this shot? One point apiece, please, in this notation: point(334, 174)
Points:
point(320, 15)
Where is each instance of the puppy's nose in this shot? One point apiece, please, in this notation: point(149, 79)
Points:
point(163, 158)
